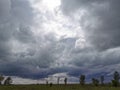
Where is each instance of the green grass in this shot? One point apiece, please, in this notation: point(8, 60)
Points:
point(56, 87)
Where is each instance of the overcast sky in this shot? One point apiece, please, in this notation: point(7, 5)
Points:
point(42, 39)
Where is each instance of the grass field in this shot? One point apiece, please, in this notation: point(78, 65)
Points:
point(56, 87)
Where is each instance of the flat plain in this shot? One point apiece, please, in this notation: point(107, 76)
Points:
point(57, 87)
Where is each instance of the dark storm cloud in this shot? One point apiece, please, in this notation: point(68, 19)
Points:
point(100, 22)
point(19, 51)
point(30, 56)
point(24, 54)
point(10, 21)
point(22, 70)
point(14, 12)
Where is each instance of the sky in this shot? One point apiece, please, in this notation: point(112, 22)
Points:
point(44, 39)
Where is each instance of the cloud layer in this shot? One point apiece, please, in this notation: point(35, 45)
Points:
point(38, 40)
point(100, 20)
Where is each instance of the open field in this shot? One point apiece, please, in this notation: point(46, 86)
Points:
point(56, 87)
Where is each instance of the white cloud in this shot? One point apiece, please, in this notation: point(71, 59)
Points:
point(18, 80)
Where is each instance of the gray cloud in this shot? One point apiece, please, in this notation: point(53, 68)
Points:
point(100, 21)
point(38, 56)
point(77, 4)
point(9, 23)
point(18, 48)
point(5, 6)
point(24, 34)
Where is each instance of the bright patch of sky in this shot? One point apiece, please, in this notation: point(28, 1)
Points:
point(54, 21)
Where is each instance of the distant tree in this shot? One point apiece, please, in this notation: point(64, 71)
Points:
point(116, 76)
point(115, 81)
point(82, 79)
point(1, 79)
point(95, 81)
point(65, 81)
point(47, 82)
point(102, 80)
point(51, 84)
point(58, 80)
point(8, 81)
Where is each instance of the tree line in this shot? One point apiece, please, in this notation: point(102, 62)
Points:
point(95, 81)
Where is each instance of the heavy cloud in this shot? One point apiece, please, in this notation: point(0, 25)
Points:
point(33, 49)
point(20, 50)
point(100, 20)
